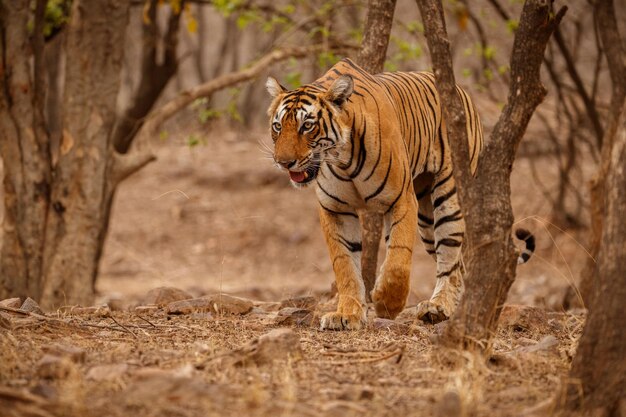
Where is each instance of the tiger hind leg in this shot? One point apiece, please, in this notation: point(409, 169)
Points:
point(447, 225)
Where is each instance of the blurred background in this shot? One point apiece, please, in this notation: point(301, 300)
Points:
point(213, 213)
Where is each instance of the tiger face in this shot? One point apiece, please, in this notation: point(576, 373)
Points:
point(309, 127)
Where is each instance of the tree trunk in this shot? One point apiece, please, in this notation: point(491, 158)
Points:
point(597, 381)
point(371, 57)
point(154, 75)
point(604, 15)
point(24, 146)
point(485, 200)
point(82, 185)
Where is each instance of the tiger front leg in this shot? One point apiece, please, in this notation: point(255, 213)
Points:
point(343, 237)
point(392, 287)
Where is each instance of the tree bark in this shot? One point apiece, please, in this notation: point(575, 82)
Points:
point(371, 57)
point(24, 146)
point(604, 15)
point(81, 190)
point(597, 381)
point(485, 200)
point(154, 75)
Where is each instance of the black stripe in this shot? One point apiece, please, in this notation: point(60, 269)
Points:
point(331, 195)
point(351, 246)
point(339, 213)
point(450, 271)
point(401, 247)
point(449, 218)
point(428, 241)
point(449, 243)
point(441, 182)
point(425, 219)
point(362, 153)
point(382, 186)
point(441, 199)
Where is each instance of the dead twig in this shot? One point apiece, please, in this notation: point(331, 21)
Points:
point(398, 351)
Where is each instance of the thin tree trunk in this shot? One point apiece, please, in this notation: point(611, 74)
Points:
point(597, 381)
point(485, 200)
point(154, 76)
point(604, 15)
point(24, 146)
point(82, 189)
point(371, 57)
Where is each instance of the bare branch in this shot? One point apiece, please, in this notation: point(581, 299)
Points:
point(157, 117)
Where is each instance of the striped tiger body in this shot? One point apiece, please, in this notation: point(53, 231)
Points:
point(377, 143)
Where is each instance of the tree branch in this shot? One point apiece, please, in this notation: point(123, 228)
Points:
point(156, 118)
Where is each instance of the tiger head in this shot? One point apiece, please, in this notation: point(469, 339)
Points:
point(309, 126)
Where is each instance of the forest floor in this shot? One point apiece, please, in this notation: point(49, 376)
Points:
point(219, 218)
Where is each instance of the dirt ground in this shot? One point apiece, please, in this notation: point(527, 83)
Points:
point(219, 218)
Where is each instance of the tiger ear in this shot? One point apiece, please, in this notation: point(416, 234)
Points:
point(274, 87)
point(340, 90)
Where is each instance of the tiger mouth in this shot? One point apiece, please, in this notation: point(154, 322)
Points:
point(304, 177)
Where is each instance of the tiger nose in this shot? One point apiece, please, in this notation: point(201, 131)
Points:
point(286, 164)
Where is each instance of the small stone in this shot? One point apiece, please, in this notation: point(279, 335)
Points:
point(450, 405)
point(294, 316)
point(547, 344)
point(54, 367)
point(99, 311)
point(147, 310)
point(381, 323)
point(163, 296)
point(11, 302)
point(189, 306)
point(107, 372)
point(267, 306)
point(276, 345)
point(45, 390)
point(5, 321)
point(228, 304)
point(521, 317)
point(74, 353)
point(31, 306)
point(305, 302)
point(201, 316)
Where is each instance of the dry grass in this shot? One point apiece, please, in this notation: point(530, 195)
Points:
point(171, 366)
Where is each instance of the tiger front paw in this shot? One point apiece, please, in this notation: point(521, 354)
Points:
point(432, 312)
point(340, 321)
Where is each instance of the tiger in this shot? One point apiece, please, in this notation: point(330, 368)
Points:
point(378, 143)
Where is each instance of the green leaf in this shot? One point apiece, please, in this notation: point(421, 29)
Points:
point(489, 52)
point(512, 25)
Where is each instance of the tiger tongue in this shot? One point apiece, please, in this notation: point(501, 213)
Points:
point(297, 176)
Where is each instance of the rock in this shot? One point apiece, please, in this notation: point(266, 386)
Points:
point(547, 344)
point(305, 302)
point(31, 306)
point(74, 353)
point(163, 296)
point(147, 310)
point(193, 305)
point(11, 302)
point(107, 372)
point(277, 345)
point(381, 323)
point(228, 304)
point(293, 316)
point(523, 317)
point(54, 367)
point(450, 405)
point(267, 306)
point(5, 321)
point(45, 390)
point(201, 316)
point(99, 311)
